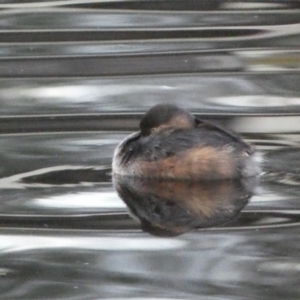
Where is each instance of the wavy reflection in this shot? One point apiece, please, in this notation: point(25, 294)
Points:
point(170, 208)
point(75, 76)
point(162, 5)
point(70, 98)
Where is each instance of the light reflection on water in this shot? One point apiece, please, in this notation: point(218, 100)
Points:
point(47, 217)
point(227, 94)
point(76, 77)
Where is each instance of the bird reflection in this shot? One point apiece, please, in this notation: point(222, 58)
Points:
point(170, 208)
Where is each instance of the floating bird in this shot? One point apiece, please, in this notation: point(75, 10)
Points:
point(174, 145)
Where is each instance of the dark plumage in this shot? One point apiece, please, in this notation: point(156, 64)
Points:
point(173, 144)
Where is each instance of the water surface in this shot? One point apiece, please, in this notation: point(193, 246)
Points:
point(75, 78)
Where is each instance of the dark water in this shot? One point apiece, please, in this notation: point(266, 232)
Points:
point(75, 78)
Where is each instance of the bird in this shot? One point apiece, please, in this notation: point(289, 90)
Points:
point(172, 144)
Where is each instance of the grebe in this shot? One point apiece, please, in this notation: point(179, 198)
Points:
point(172, 144)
